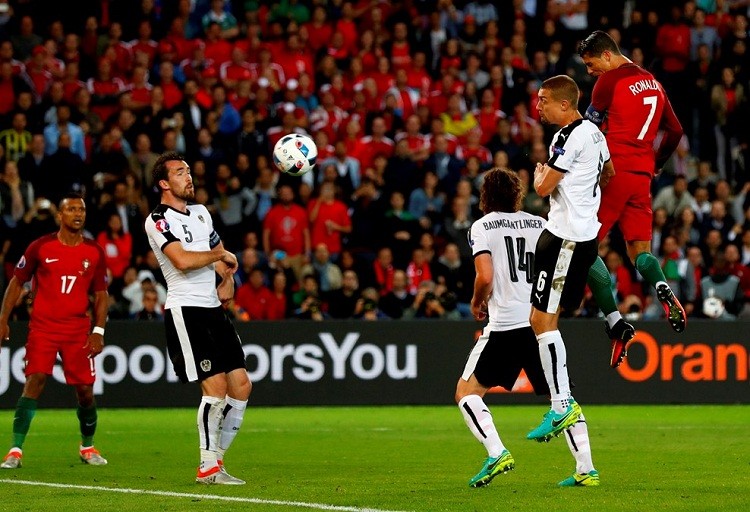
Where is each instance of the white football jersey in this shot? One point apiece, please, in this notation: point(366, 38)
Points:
point(578, 150)
point(510, 238)
point(195, 231)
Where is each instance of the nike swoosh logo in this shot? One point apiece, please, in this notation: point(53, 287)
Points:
point(51, 260)
point(557, 423)
point(90, 424)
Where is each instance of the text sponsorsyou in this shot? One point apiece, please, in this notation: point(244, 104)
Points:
point(305, 362)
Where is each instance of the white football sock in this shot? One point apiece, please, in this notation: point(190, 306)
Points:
point(233, 414)
point(554, 362)
point(209, 427)
point(479, 420)
point(613, 318)
point(577, 437)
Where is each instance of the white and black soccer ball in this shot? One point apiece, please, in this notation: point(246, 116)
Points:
point(295, 154)
point(713, 307)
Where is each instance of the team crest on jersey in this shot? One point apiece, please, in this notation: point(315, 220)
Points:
point(558, 151)
point(85, 264)
point(22, 262)
point(162, 225)
point(200, 218)
point(206, 365)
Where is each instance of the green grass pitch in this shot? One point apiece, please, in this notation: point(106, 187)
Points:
point(665, 458)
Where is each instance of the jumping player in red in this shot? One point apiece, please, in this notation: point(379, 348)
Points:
point(630, 107)
point(65, 268)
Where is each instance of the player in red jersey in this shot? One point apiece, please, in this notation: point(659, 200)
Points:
point(65, 268)
point(630, 107)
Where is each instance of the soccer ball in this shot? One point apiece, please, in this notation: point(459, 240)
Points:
point(295, 154)
point(713, 307)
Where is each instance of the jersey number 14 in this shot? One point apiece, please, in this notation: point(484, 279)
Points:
point(524, 262)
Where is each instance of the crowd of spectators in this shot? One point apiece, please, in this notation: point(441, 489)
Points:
point(409, 103)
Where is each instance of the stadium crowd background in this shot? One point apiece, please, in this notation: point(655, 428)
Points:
point(409, 102)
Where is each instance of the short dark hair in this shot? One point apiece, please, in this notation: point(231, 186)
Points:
point(501, 191)
point(71, 195)
point(563, 87)
point(160, 171)
point(596, 44)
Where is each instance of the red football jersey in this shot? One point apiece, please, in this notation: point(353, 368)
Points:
point(631, 107)
point(63, 277)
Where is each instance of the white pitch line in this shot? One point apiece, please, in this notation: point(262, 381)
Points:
point(257, 501)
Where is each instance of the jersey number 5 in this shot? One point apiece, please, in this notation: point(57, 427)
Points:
point(651, 102)
point(67, 284)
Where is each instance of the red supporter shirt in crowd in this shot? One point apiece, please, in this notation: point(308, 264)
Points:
point(172, 94)
point(141, 94)
point(631, 106)
point(40, 79)
point(276, 307)
point(7, 96)
point(71, 88)
point(367, 148)
point(465, 151)
point(117, 252)
point(487, 120)
point(318, 36)
point(105, 94)
point(64, 276)
point(416, 142)
point(335, 212)
point(147, 48)
point(417, 273)
point(400, 55)
point(287, 227)
point(255, 301)
point(220, 51)
point(232, 71)
point(349, 30)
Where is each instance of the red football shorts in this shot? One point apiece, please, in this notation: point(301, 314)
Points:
point(41, 355)
point(627, 201)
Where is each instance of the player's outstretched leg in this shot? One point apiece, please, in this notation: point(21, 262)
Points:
point(619, 331)
point(621, 334)
point(649, 267)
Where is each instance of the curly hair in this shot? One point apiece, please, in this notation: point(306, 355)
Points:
point(501, 191)
point(160, 171)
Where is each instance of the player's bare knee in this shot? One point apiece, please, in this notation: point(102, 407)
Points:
point(34, 385)
point(460, 390)
point(240, 390)
point(85, 395)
